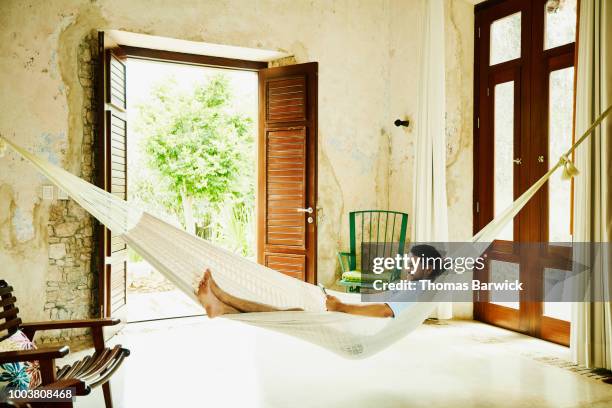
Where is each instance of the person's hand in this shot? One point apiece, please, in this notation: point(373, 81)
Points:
point(332, 303)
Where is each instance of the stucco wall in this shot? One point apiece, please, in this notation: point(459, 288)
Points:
point(368, 64)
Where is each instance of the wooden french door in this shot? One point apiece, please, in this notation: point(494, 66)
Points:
point(524, 57)
point(287, 160)
point(111, 162)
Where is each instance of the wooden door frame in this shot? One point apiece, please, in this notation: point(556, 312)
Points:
point(534, 65)
point(101, 140)
point(516, 70)
point(193, 59)
point(106, 108)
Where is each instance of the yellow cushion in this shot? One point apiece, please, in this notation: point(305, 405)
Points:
point(357, 276)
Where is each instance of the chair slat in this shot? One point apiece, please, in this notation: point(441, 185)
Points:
point(60, 372)
point(8, 313)
point(100, 359)
point(112, 368)
point(104, 364)
point(9, 301)
point(5, 290)
point(10, 324)
point(74, 369)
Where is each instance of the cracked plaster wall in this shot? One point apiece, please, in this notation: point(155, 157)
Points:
point(368, 61)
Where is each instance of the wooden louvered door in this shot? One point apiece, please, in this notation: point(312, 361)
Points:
point(287, 186)
point(112, 175)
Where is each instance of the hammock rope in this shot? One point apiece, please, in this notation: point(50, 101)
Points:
point(181, 258)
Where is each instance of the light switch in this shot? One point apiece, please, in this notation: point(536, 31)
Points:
point(47, 192)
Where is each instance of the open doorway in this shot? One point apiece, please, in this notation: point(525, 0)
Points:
point(251, 128)
point(191, 154)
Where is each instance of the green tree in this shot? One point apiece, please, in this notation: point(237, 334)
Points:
point(196, 144)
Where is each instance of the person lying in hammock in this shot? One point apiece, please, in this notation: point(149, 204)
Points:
point(217, 302)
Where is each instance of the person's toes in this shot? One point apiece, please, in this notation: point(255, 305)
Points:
point(210, 312)
point(206, 287)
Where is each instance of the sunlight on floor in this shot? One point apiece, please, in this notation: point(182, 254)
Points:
point(199, 362)
point(160, 305)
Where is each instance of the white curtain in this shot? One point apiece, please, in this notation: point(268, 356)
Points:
point(429, 214)
point(591, 332)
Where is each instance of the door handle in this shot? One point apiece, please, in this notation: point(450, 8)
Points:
point(518, 160)
point(540, 159)
point(308, 210)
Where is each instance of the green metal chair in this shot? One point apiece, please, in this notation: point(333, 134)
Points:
point(373, 233)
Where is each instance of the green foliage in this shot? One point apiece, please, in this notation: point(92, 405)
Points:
point(235, 229)
point(194, 141)
point(200, 156)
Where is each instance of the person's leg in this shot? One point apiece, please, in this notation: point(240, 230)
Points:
point(370, 309)
point(242, 305)
point(213, 306)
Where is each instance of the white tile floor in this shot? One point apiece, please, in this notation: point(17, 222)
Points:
point(160, 305)
point(198, 362)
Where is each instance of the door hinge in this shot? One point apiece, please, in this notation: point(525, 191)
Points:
point(102, 311)
point(478, 32)
point(488, 91)
point(478, 122)
point(477, 206)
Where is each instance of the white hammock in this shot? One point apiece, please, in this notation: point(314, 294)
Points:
point(182, 257)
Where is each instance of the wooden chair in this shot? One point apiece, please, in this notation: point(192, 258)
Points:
point(373, 233)
point(87, 373)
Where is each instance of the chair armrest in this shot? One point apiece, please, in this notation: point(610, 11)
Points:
point(69, 324)
point(342, 256)
point(46, 353)
point(30, 329)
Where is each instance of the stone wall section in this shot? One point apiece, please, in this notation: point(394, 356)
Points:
point(72, 279)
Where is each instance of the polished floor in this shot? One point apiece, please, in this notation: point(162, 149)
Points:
point(197, 362)
point(160, 305)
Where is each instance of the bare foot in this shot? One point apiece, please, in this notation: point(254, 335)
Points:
point(213, 306)
point(214, 287)
point(333, 304)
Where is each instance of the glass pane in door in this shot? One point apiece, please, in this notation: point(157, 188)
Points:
point(560, 108)
point(500, 272)
point(559, 23)
point(554, 285)
point(503, 129)
point(505, 42)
